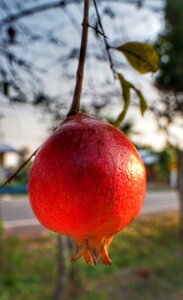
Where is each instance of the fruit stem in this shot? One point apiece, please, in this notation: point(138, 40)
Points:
point(75, 106)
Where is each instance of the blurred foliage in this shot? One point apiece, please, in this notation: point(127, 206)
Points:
point(169, 110)
point(1, 234)
point(170, 45)
point(1, 243)
point(146, 265)
point(166, 159)
point(1, 229)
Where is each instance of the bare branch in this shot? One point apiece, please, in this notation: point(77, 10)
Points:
point(19, 61)
point(105, 40)
point(40, 8)
point(31, 11)
point(13, 176)
point(97, 31)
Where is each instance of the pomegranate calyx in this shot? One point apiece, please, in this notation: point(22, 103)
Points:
point(90, 250)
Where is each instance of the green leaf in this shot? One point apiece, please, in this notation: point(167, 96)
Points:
point(125, 88)
point(125, 85)
point(143, 57)
point(143, 104)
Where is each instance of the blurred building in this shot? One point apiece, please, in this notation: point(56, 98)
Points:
point(153, 161)
point(150, 160)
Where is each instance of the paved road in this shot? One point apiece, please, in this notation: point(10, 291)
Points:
point(16, 212)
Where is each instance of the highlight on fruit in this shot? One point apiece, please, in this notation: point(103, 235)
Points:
point(88, 182)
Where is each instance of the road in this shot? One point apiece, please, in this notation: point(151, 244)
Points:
point(16, 211)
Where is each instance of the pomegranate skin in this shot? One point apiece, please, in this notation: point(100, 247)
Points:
point(89, 182)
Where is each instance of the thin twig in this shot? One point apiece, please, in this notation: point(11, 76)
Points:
point(13, 176)
point(98, 31)
point(82, 57)
point(105, 40)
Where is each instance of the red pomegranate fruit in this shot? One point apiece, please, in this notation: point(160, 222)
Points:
point(87, 181)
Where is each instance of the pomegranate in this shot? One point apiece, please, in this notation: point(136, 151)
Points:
point(87, 181)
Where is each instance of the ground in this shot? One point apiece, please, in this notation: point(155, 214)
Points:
point(147, 265)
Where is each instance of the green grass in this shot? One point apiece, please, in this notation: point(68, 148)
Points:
point(147, 265)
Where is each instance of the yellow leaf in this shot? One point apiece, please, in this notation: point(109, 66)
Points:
point(143, 57)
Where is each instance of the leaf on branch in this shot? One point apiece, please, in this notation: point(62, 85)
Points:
point(142, 57)
point(143, 104)
point(126, 87)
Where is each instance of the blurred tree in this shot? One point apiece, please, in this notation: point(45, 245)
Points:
point(163, 167)
point(170, 79)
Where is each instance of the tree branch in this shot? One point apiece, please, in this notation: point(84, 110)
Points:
point(82, 57)
point(31, 11)
point(9, 180)
point(97, 31)
point(40, 8)
point(19, 61)
point(105, 40)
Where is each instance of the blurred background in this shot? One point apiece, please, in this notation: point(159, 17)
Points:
point(39, 48)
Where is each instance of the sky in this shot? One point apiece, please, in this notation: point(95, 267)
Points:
point(28, 126)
